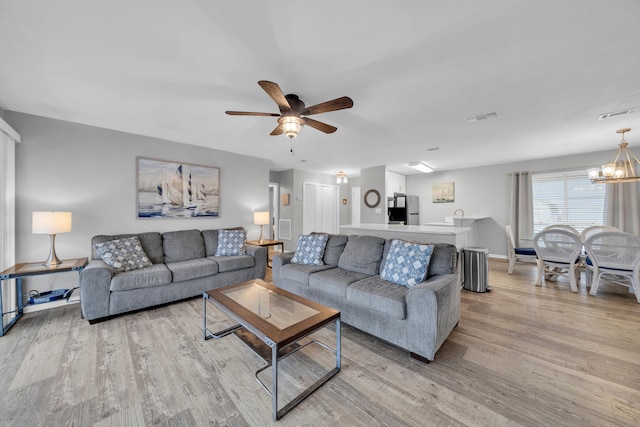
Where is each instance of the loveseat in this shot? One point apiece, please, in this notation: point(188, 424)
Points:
point(164, 267)
point(418, 317)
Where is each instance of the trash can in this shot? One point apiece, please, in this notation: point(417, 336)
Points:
point(475, 269)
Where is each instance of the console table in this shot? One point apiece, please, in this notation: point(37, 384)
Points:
point(19, 271)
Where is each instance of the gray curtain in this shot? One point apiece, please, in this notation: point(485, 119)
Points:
point(622, 206)
point(521, 209)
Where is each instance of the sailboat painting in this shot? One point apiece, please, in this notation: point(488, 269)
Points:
point(177, 190)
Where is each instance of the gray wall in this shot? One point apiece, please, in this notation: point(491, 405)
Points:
point(373, 178)
point(92, 173)
point(485, 191)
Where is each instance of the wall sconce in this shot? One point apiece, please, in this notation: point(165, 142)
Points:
point(261, 219)
point(51, 223)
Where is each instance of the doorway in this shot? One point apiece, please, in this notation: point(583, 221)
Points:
point(355, 206)
point(274, 210)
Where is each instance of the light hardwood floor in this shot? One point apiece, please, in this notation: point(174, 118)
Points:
point(521, 355)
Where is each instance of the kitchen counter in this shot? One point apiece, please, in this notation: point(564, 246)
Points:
point(458, 236)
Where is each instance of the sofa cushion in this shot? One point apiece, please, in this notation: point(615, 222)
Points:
point(444, 259)
point(182, 245)
point(362, 254)
point(300, 273)
point(156, 275)
point(335, 281)
point(310, 249)
point(123, 254)
point(192, 269)
point(380, 295)
point(210, 238)
point(406, 263)
point(335, 247)
point(233, 262)
point(231, 242)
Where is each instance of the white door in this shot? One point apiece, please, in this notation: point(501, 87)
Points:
point(355, 206)
point(320, 208)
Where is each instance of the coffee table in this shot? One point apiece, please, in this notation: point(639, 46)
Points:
point(278, 318)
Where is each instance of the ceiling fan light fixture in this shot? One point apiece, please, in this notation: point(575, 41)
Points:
point(291, 125)
point(624, 168)
point(421, 166)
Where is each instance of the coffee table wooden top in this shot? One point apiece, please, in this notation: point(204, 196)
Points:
point(281, 316)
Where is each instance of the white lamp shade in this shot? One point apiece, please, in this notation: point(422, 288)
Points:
point(261, 218)
point(46, 222)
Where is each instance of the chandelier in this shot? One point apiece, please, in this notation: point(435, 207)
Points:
point(624, 168)
point(341, 178)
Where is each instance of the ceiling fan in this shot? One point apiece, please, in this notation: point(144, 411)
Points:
point(290, 120)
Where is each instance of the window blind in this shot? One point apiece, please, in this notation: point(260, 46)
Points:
point(566, 197)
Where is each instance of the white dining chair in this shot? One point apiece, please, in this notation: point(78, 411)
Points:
point(594, 229)
point(558, 253)
point(565, 227)
point(518, 254)
point(614, 257)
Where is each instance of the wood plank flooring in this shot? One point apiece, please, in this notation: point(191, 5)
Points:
point(520, 356)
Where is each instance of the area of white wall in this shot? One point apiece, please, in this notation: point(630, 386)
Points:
point(92, 173)
point(485, 191)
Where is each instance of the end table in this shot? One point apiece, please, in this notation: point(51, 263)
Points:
point(267, 243)
point(19, 271)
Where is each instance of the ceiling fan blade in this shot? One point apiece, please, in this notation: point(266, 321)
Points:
point(274, 91)
point(249, 113)
point(333, 105)
point(322, 127)
point(277, 131)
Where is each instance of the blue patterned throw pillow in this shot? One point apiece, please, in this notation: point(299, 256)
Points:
point(231, 242)
point(123, 254)
point(407, 263)
point(310, 249)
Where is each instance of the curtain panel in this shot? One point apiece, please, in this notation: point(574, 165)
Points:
point(622, 206)
point(521, 209)
point(8, 140)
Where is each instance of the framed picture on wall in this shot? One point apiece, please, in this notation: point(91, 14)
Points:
point(443, 192)
point(167, 189)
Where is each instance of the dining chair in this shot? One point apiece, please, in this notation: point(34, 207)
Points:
point(615, 258)
point(518, 254)
point(558, 253)
point(566, 227)
point(594, 229)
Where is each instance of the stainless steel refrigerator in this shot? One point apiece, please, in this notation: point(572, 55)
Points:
point(405, 210)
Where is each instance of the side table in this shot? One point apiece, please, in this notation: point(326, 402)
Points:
point(19, 271)
point(267, 243)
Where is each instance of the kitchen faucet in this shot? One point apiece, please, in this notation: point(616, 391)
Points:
point(456, 211)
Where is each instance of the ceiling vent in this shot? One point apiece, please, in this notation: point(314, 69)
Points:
point(473, 119)
point(618, 113)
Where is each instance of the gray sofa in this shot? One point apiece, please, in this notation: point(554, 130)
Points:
point(417, 318)
point(184, 266)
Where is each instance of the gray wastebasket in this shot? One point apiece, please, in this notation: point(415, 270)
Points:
point(475, 269)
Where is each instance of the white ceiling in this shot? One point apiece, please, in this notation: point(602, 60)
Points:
point(170, 68)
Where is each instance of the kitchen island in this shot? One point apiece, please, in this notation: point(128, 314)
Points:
point(458, 236)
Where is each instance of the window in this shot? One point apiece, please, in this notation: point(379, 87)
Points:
point(566, 197)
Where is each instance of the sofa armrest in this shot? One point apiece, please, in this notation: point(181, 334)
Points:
point(278, 261)
point(433, 310)
point(95, 289)
point(260, 255)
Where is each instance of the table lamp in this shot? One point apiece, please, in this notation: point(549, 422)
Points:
point(261, 218)
point(51, 223)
